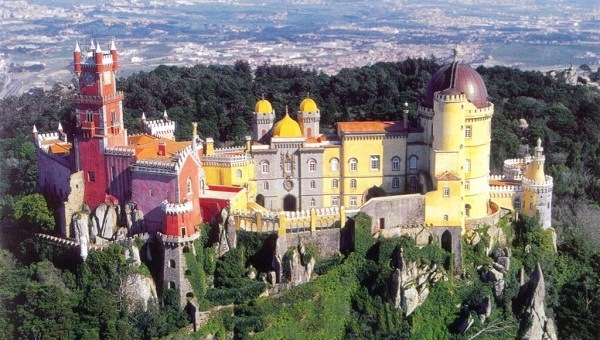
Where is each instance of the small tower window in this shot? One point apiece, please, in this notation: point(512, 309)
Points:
point(335, 200)
point(313, 184)
point(335, 183)
point(374, 162)
point(467, 165)
point(396, 163)
point(89, 116)
point(352, 184)
point(446, 192)
point(91, 176)
point(353, 163)
point(151, 192)
point(468, 131)
point(171, 263)
point(312, 165)
point(238, 173)
point(266, 186)
point(412, 162)
point(395, 182)
point(352, 201)
point(445, 218)
point(188, 186)
point(264, 165)
point(467, 185)
point(335, 164)
point(288, 166)
point(171, 285)
point(312, 202)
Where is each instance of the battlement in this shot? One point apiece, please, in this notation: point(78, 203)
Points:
point(90, 60)
point(98, 100)
point(119, 150)
point(155, 166)
point(61, 160)
point(487, 110)
point(441, 96)
point(548, 182)
point(505, 189)
point(232, 149)
point(177, 239)
point(226, 159)
point(291, 222)
point(176, 208)
point(160, 128)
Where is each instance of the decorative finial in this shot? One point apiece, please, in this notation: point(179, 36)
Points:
point(307, 94)
point(112, 45)
point(456, 53)
point(92, 45)
point(539, 142)
point(60, 129)
point(286, 110)
point(34, 129)
point(143, 116)
point(98, 49)
point(77, 49)
point(263, 96)
point(165, 115)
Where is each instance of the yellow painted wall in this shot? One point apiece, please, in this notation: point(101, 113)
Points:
point(361, 149)
point(436, 205)
point(328, 175)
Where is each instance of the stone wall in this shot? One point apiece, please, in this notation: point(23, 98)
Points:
point(404, 210)
point(326, 242)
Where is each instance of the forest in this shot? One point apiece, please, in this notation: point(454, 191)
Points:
point(44, 296)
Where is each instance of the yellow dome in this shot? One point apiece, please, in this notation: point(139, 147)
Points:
point(287, 127)
point(308, 105)
point(263, 106)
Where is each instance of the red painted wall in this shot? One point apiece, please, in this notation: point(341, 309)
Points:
point(91, 160)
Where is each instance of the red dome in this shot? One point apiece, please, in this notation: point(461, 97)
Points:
point(459, 77)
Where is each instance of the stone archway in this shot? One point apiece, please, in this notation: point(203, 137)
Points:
point(373, 192)
point(447, 246)
point(260, 200)
point(289, 203)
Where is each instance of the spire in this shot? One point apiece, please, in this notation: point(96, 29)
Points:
point(77, 49)
point(34, 131)
point(143, 117)
point(92, 45)
point(98, 49)
point(60, 128)
point(456, 53)
point(286, 110)
point(165, 116)
point(112, 45)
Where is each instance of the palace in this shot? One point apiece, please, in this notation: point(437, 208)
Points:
point(429, 179)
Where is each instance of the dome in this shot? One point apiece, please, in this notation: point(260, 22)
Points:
point(263, 106)
point(287, 127)
point(461, 78)
point(308, 105)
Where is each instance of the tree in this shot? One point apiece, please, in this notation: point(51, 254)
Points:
point(31, 212)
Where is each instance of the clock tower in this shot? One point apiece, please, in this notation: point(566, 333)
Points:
point(99, 112)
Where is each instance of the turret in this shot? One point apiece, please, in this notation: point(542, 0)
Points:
point(195, 136)
point(98, 55)
point(405, 111)
point(113, 52)
point(165, 116)
point(143, 120)
point(77, 59)
point(309, 117)
point(263, 118)
point(537, 188)
point(34, 133)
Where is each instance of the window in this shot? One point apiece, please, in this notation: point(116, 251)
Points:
point(312, 165)
point(335, 183)
point(171, 285)
point(352, 184)
point(151, 192)
point(335, 200)
point(467, 185)
point(352, 201)
point(517, 204)
point(312, 202)
point(412, 162)
point(446, 192)
point(238, 173)
point(113, 117)
point(530, 206)
point(312, 184)
point(91, 176)
point(467, 165)
point(266, 186)
point(89, 116)
point(395, 182)
point(188, 186)
point(264, 165)
point(396, 163)
point(171, 263)
point(374, 162)
point(413, 183)
point(288, 166)
point(468, 131)
point(335, 164)
point(353, 164)
point(445, 218)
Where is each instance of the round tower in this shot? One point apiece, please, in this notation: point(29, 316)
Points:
point(77, 59)
point(262, 119)
point(537, 188)
point(309, 117)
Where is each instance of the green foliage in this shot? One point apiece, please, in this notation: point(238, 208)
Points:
point(431, 319)
point(363, 239)
point(529, 234)
point(31, 211)
point(196, 275)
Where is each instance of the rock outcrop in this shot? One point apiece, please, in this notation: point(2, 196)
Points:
point(535, 323)
point(134, 219)
point(105, 220)
point(139, 290)
point(227, 234)
point(408, 287)
point(298, 266)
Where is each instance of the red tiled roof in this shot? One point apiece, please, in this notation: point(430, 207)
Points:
point(146, 146)
point(371, 127)
point(447, 176)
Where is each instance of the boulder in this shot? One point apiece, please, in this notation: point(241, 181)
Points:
point(135, 256)
point(410, 300)
point(104, 220)
point(498, 252)
point(494, 275)
point(504, 262)
point(499, 287)
point(498, 267)
point(134, 219)
point(539, 326)
point(139, 290)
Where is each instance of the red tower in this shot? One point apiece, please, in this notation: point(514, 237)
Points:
point(99, 114)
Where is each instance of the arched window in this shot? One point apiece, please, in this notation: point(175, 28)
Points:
point(113, 117)
point(312, 184)
point(335, 164)
point(308, 133)
point(374, 162)
point(395, 182)
point(335, 183)
point(238, 173)
point(266, 186)
point(352, 201)
point(171, 285)
point(396, 163)
point(353, 163)
point(467, 165)
point(89, 115)
point(352, 184)
point(188, 186)
point(412, 162)
point(468, 131)
point(264, 166)
point(312, 202)
point(312, 165)
point(171, 263)
point(517, 203)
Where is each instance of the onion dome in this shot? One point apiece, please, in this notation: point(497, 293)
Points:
point(308, 105)
point(460, 77)
point(287, 127)
point(263, 106)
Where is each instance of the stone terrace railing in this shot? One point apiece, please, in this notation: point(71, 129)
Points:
point(286, 222)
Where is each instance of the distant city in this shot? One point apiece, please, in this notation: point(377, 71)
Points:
point(37, 37)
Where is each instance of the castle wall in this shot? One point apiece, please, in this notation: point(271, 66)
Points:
point(149, 190)
point(117, 168)
point(328, 190)
point(93, 164)
point(306, 192)
point(395, 211)
point(53, 175)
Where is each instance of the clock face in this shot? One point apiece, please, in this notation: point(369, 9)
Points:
point(107, 77)
point(87, 79)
